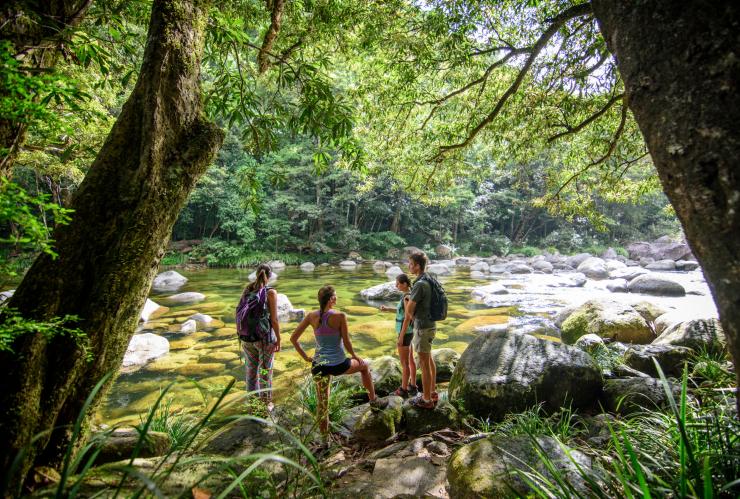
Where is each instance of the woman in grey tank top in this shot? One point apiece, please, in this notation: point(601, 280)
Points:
point(332, 339)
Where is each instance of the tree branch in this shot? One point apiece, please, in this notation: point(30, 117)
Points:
point(557, 23)
point(276, 15)
point(571, 130)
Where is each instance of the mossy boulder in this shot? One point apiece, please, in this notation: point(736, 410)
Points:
point(698, 334)
point(635, 394)
point(386, 374)
point(500, 373)
point(422, 421)
point(486, 468)
point(377, 425)
point(120, 444)
point(670, 357)
point(607, 319)
point(445, 359)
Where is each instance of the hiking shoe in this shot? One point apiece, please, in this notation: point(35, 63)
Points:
point(423, 404)
point(400, 392)
point(435, 397)
point(378, 404)
point(413, 390)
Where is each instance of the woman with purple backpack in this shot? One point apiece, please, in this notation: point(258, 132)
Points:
point(259, 333)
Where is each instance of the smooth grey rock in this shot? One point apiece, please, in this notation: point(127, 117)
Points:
point(543, 266)
point(698, 334)
point(438, 269)
point(308, 266)
point(382, 292)
point(443, 251)
point(149, 308)
point(184, 298)
point(617, 286)
point(348, 264)
point(393, 272)
point(189, 326)
point(687, 265)
point(594, 268)
point(273, 277)
point(480, 266)
point(445, 359)
point(629, 395)
point(654, 285)
point(575, 260)
point(423, 421)
point(168, 281)
point(500, 373)
point(385, 372)
point(608, 319)
point(406, 477)
point(122, 442)
point(628, 273)
point(489, 289)
point(476, 274)
point(145, 347)
point(670, 357)
point(589, 342)
point(662, 265)
point(519, 268)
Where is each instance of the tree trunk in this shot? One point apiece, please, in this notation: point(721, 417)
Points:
point(680, 62)
point(35, 30)
point(124, 211)
point(396, 222)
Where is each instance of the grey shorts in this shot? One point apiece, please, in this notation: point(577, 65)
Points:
point(423, 338)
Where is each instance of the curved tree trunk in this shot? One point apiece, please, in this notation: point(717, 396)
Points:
point(123, 216)
point(680, 62)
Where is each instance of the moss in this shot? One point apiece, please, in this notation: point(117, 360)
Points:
point(360, 310)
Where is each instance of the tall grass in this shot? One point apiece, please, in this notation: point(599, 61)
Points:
point(691, 451)
point(340, 399)
point(224, 476)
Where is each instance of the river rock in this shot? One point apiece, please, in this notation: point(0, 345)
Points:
point(477, 274)
point(404, 477)
point(354, 255)
point(408, 251)
point(609, 254)
point(593, 267)
point(201, 318)
point(543, 266)
point(308, 266)
point(5, 295)
point(244, 437)
point(480, 266)
point(628, 273)
point(662, 265)
point(465, 261)
point(348, 264)
point(382, 292)
point(687, 265)
point(145, 347)
point(151, 310)
point(375, 425)
point(485, 468)
point(654, 285)
point(382, 265)
point(185, 298)
point(122, 442)
point(438, 269)
point(423, 421)
point(168, 281)
point(393, 272)
point(500, 373)
point(698, 334)
point(276, 265)
point(481, 292)
point(608, 319)
point(386, 374)
point(629, 395)
point(673, 317)
point(617, 285)
point(285, 310)
point(443, 251)
point(670, 357)
point(612, 265)
point(518, 268)
point(649, 311)
point(445, 359)
point(575, 260)
point(589, 342)
point(189, 326)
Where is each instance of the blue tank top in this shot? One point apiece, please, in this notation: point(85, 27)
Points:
point(329, 347)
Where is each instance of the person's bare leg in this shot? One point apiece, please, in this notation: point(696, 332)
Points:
point(403, 354)
point(367, 380)
point(322, 403)
point(433, 371)
point(412, 367)
point(426, 381)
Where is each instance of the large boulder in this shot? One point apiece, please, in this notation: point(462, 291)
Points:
point(308, 266)
point(409, 250)
point(348, 264)
point(543, 266)
point(490, 289)
point(627, 273)
point(629, 395)
point(687, 265)
point(655, 285)
point(386, 374)
point(486, 468)
point(168, 281)
point(422, 421)
point(145, 347)
point(608, 319)
point(438, 269)
point(661, 249)
point(594, 268)
point(698, 334)
point(121, 443)
point(518, 268)
point(670, 357)
point(398, 477)
point(500, 373)
point(393, 271)
point(382, 292)
point(285, 310)
point(151, 310)
point(613, 265)
point(617, 285)
point(662, 265)
point(480, 266)
point(575, 260)
point(445, 359)
point(377, 425)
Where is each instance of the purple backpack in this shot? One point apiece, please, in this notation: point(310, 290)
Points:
point(253, 318)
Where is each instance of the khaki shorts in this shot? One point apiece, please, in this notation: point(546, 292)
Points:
point(423, 338)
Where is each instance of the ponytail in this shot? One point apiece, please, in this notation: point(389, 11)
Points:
point(325, 294)
point(263, 277)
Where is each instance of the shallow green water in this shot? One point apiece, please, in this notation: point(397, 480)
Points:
point(212, 357)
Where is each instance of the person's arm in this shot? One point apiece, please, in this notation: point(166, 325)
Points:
point(272, 306)
point(405, 324)
point(297, 334)
point(344, 331)
point(408, 316)
point(385, 308)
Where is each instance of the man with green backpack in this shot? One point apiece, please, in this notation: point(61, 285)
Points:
point(427, 305)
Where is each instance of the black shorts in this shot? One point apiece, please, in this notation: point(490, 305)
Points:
point(335, 370)
point(407, 338)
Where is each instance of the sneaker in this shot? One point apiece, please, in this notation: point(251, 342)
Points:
point(423, 404)
point(378, 403)
point(413, 390)
point(400, 392)
point(435, 397)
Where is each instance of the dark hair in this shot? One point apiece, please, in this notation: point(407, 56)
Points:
point(263, 277)
point(403, 279)
point(420, 258)
point(325, 294)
